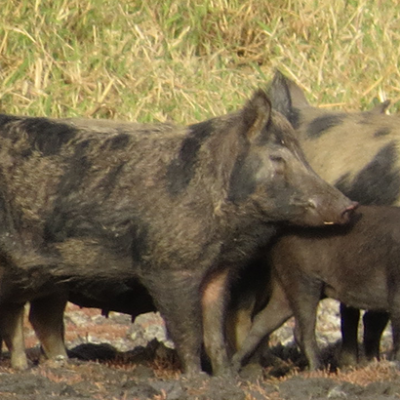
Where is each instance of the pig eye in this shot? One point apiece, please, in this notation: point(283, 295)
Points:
point(276, 158)
point(279, 163)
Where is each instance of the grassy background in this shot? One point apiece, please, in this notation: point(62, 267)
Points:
point(186, 61)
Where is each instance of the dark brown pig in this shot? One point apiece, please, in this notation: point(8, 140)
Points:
point(46, 314)
point(177, 208)
point(357, 264)
point(358, 153)
point(125, 297)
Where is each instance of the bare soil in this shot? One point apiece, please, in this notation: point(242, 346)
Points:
point(113, 359)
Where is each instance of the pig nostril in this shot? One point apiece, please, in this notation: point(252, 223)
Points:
point(349, 210)
point(347, 213)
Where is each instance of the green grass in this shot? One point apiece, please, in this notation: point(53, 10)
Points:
point(189, 60)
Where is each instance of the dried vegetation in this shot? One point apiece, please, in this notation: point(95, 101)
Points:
point(186, 61)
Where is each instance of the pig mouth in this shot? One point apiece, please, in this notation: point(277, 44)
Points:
point(310, 213)
point(315, 214)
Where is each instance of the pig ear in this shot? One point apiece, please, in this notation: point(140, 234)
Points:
point(381, 107)
point(256, 114)
point(286, 95)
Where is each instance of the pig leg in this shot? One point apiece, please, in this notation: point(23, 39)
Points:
point(179, 304)
point(304, 301)
point(395, 319)
point(238, 325)
point(11, 328)
point(374, 324)
point(214, 299)
point(46, 316)
point(349, 326)
point(396, 337)
point(276, 312)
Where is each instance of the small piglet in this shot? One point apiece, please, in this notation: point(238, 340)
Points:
point(358, 264)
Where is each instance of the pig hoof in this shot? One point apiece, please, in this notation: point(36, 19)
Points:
point(57, 362)
point(20, 367)
point(236, 365)
point(227, 373)
point(20, 363)
point(347, 362)
point(252, 372)
point(196, 378)
point(395, 364)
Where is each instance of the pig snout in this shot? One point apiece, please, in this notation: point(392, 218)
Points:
point(348, 212)
point(334, 215)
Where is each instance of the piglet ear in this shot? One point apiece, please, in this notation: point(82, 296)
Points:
point(256, 114)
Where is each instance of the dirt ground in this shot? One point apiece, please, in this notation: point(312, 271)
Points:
point(113, 359)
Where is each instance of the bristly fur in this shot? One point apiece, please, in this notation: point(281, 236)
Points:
point(169, 207)
point(358, 152)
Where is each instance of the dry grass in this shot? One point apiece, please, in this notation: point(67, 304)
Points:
point(374, 372)
point(166, 368)
point(188, 60)
point(362, 375)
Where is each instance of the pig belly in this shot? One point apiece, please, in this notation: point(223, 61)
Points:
point(361, 298)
